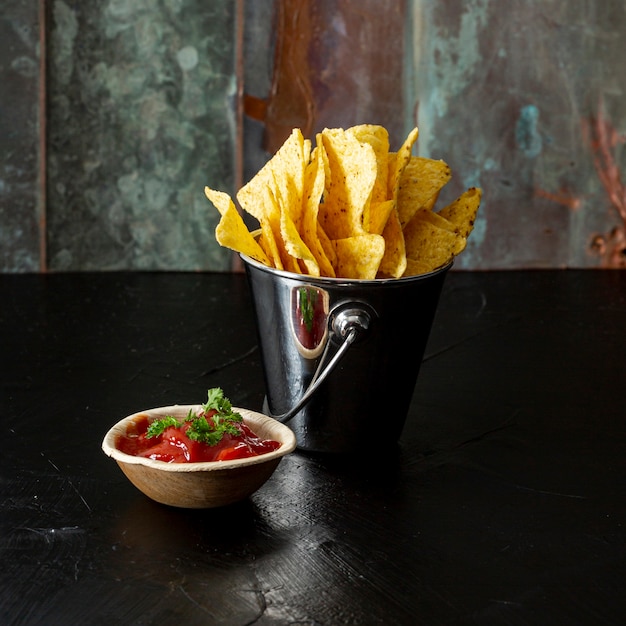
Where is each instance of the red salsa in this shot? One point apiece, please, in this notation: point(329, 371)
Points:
point(173, 445)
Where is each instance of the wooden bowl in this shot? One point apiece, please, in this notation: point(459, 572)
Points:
point(201, 485)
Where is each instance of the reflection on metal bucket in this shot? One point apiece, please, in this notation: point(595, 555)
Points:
point(309, 317)
point(341, 357)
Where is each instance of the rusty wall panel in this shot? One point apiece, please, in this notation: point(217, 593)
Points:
point(335, 63)
point(526, 99)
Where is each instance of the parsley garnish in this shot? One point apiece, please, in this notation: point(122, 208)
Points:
point(200, 429)
point(157, 427)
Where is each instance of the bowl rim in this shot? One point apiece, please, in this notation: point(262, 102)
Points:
point(253, 419)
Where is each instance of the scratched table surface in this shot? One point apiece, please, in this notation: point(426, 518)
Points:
point(504, 501)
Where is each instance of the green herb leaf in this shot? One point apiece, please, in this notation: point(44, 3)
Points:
point(222, 422)
point(157, 427)
point(201, 430)
point(206, 430)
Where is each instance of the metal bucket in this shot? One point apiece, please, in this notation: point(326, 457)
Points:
point(341, 357)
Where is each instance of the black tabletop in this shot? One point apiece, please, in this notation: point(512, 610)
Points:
point(503, 503)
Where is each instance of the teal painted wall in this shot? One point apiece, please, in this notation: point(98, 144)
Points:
point(21, 203)
point(526, 99)
point(114, 115)
point(141, 115)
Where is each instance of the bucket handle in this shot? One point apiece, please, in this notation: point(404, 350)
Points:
point(348, 324)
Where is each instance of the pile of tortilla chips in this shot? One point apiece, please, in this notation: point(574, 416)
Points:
point(348, 208)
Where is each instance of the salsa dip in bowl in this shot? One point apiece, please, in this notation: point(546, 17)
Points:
point(197, 484)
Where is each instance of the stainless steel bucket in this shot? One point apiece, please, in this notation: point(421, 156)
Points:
point(341, 357)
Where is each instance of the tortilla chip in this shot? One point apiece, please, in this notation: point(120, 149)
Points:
point(420, 183)
point(359, 256)
point(430, 244)
point(278, 187)
point(436, 219)
point(414, 268)
point(378, 215)
point(231, 231)
point(393, 262)
point(312, 194)
point(352, 168)
point(378, 138)
point(287, 167)
point(327, 246)
point(463, 210)
point(348, 208)
point(397, 163)
point(295, 246)
point(374, 216)
point(441, 222)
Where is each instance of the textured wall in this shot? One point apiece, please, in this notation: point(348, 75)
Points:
point(524, 98)
point(335, 63)
point(20, 150)
point(141, 117)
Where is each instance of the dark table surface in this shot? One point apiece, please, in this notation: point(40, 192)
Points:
point(504, 502)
